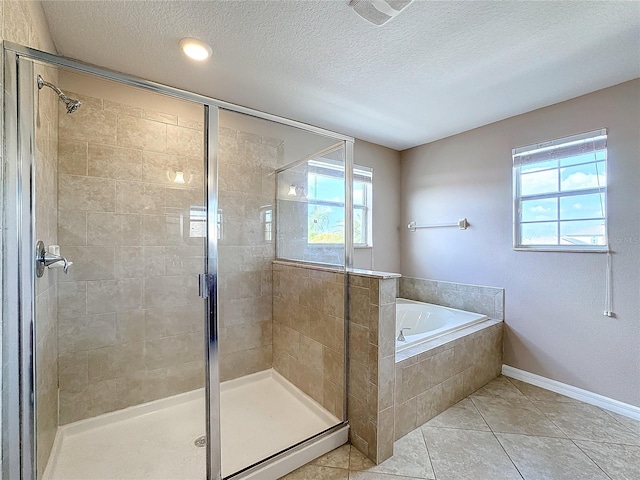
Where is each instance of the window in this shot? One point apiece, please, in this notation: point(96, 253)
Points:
point(326, 204)
point(560, 194)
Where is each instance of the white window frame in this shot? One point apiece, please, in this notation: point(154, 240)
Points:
point(557, 149)
point(360, 173)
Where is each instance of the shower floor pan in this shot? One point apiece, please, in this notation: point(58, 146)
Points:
point(262, 414)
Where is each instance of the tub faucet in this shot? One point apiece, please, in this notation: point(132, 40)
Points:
point(401, 335)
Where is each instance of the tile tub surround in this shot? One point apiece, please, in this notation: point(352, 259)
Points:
point(463, 443)
point(487, 301)
point(246, 250)
point(308, 330)
point(433, 376)
point(130, 319)
point(372, 319)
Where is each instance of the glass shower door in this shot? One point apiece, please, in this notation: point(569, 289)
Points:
point(281, 345)
point(112, 373)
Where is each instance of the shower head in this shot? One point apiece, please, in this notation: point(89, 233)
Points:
point(72, 104)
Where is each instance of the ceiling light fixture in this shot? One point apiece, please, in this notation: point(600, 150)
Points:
point(195, 49)
point(378, 12)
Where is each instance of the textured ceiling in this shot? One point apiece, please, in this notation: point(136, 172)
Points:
point(437, 69)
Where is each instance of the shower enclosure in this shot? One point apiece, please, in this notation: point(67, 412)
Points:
point(184, 312)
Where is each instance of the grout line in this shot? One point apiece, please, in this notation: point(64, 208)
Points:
point(618, 422)
point(592, 460)
point(558, 427)
point(497, 439)
point(428, 453)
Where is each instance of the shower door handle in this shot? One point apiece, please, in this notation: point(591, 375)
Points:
point(206, 281)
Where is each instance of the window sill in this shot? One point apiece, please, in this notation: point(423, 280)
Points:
point(559, 250)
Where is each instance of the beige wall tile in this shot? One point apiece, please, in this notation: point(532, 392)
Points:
point(286, 340)
point(258, 359)
point(245, 310)
point(156, 167)
point(185, 141)
point(140, 386)
point(333, 299)
point(175, 350)
point(122, 295)
point(358, 343)
point(92, 400)
point(185, 377)
point(137, 197)
point(300, 318)
point(139, 133)
point(170, 291)
point(190, 123)
point(386, 382)
point(160, 117)
point(138, 262)
point(387, 291)
point(122, 108)
point(130, 326)
point(235, 338)
point(387, 329)
point(115, 361)
point(72, 157)
point(405, 418)
point(86, 194)
point(86, 332)
point(114, 162)
point(113, 229)
point(386, 424)
point(333, 365)
point(73, 370)
point(72, 228)
point(88, 124)
point(359, 381)
point(359, 305)
point(89, 263)
point(72, 299)
point(233, 179)
point(184, 198)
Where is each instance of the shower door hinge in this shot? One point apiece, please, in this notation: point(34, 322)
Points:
point(207, 282)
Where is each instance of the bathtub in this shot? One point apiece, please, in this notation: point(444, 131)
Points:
point(427, 321)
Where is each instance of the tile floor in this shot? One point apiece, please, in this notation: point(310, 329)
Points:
point(506, 430)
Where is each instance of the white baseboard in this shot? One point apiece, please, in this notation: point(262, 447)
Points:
point(585, 396)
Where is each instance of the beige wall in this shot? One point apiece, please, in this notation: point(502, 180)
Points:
point(385, 255)
point(554, 301)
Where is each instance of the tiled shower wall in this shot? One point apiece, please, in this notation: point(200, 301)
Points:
point(246, 249)
point(46, 167)
point(308, 331)
point(130, 319)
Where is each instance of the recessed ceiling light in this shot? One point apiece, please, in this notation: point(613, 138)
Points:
point(195, 49)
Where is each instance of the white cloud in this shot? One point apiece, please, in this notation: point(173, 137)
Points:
point(580, 180)
point(540, 209)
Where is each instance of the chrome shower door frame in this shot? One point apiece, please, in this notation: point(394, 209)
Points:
point(19, 450)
